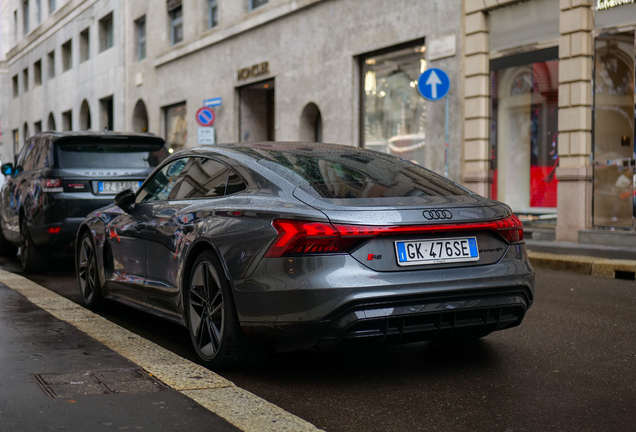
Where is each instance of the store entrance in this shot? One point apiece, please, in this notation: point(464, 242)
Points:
point(613, 152)
point(257, 121)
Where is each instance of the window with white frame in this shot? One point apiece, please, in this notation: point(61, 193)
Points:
point(140, 25)
point(25, 16)
point(51, 6)
point(106, 32)
point(15, 27)
point(213, 13)
point(38, 10)
point(85, 40)
point(16, 88)
point(67, 55)
point(257, 3)
point(25, 79)
point(37, 73)
point(51, 64)
point(176, 25)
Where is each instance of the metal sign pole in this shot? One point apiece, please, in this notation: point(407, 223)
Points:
point(433, 85)
point(447, 140)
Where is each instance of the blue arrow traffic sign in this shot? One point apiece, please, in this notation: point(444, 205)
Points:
point(433, 84)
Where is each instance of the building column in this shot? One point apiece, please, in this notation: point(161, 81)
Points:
point(574, 206)
point(476, 169)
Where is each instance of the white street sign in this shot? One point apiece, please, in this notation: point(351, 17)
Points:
point(441, 47)
point(205, 136)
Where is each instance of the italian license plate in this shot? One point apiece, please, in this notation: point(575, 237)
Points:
point(114, 187)
point(436, 251)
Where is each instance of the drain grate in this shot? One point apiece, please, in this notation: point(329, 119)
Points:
point(101, 382)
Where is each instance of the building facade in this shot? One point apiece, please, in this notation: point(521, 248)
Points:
point(539, 106)
point(549, 112)
point(339, 71)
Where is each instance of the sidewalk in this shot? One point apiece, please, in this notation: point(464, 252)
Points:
point(64, 368)
point(595, 260)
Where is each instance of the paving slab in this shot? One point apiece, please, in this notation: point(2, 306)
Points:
point(53, 376)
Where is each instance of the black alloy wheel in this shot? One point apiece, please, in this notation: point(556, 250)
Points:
point(211, 316)
point(87, 273)
point(33, 259)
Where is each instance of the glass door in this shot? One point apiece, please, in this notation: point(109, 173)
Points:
point(614, 111)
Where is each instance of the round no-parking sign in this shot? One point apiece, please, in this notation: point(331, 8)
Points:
point(206, 116)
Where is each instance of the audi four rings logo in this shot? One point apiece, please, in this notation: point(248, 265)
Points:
point(437, 214)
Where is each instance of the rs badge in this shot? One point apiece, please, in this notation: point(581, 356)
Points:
point(371, 257)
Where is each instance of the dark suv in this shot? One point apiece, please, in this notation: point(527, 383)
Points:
point(59, 178)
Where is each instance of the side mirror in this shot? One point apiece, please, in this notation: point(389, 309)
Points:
point(125, 199)
point(7, 169)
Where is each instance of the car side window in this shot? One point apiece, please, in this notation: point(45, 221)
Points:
point(41, 156)
point(24, 158)
point(159, 186)
point(30, 160)
point(235, 184)
point(205, 177)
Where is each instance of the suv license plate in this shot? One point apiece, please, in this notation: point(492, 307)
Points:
point(114, 187)
point(436, 251)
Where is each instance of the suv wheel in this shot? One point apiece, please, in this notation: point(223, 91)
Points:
point(33, 259)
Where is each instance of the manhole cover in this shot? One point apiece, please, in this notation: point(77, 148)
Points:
point(100, 382)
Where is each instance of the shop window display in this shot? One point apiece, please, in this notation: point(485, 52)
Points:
point(524, 136)
point(394, 114)
point(613, 153)
point(176, 126)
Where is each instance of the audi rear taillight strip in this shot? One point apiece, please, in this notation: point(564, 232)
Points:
point(302, 237)
point(299, 237)
point(509, 224)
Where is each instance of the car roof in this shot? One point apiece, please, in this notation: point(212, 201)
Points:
point(256, 149)
point(94, 134)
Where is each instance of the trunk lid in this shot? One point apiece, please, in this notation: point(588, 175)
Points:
point(381, 252)
point(106, 165)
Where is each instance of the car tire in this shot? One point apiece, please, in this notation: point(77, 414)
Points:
point(33, 260)
point(7, 249)
point(88, 273)
point(211, 315)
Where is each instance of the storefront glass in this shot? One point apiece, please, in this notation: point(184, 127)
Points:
point(524, 136)
point(176, 126)
point(613, 153)
point(394, 113)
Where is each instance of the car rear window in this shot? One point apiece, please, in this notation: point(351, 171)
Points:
point(334, 173)
point(106, 154)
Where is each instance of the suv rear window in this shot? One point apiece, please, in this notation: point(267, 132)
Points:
point(334, 173)
point(106, 154)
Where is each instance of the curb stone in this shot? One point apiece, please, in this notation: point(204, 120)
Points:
point(239, 407)
point(602, 267)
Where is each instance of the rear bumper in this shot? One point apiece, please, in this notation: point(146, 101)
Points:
point(65, 237)
point(327, 304)
point(65, 211)
point(392, 321)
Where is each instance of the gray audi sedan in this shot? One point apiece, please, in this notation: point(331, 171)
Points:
point(306, 246)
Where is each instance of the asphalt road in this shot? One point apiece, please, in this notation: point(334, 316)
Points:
point(571, 366)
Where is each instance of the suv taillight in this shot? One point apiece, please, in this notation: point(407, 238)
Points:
point(52, 185)
point(304, 238)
